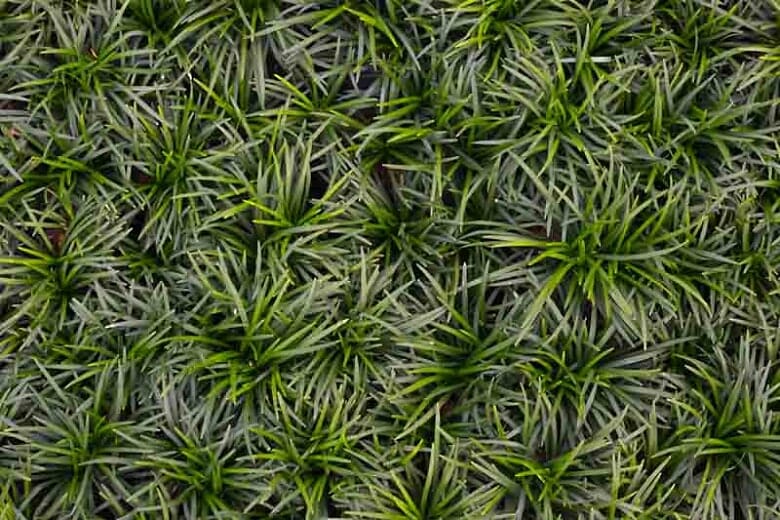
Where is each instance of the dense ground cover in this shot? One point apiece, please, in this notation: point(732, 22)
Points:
point(400, 259)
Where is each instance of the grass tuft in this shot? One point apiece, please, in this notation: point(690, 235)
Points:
point(385, 259)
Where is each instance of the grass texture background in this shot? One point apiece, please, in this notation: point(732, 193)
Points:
point(389, 259)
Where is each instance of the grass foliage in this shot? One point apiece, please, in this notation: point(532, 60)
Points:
point(390, 259)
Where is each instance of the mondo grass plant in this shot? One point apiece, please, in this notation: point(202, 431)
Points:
point(390, 259)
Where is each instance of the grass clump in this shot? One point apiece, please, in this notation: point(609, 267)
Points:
point(428, 259)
